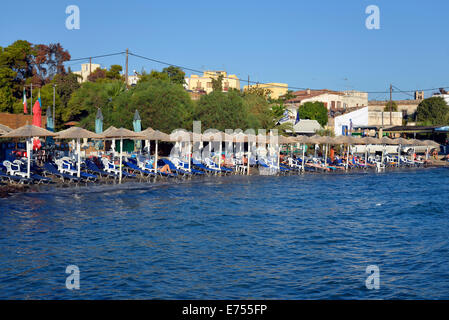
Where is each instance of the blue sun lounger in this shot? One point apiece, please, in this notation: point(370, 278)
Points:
point(201, 166)
point(93, 168)
point(51, 169)
point(136, 169)
point(14, 179)
point(173, 167)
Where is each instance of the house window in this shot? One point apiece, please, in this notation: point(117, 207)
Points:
point(338, 104)
point(209, 84)
point(333, 104)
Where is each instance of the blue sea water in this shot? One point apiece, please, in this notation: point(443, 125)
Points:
point(259, 237)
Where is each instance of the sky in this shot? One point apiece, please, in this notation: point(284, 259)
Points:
point(307, 44)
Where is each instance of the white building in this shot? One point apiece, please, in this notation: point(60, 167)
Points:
point(307, 127)
point(445, 96)
point(86, 70)
point(364, 118)
point(333, 100)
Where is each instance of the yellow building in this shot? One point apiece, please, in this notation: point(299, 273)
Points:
point(276, 89)
point(204, 82)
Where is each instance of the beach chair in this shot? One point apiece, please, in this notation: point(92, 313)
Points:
point(93, 168)
point(66, 166)
point(109, 166)
point(51, 169)
point(185, 166)
point(13, 169)
point(135, 169)
point(34, 177)
point(14, 179)
point(212, 165)
point(197, 164)
point(173, 168)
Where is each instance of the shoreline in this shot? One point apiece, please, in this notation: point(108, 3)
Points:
point(8, 190)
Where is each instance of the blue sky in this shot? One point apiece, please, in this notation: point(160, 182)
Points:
point(309, 44)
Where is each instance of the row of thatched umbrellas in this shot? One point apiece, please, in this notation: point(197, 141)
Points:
point(77, 133)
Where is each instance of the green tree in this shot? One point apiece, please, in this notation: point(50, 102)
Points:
point(96, 75)
point(391, 106)
point(434, 111)
point(289, 95)
point(258, 91)
point(162, 105)
point(66, 84)
point(114, 72)
point(217, 84)
point(314, 111)
point(260, 113)
point(219, 110)
point(16, 67)
point(175, 74)
point(84, 102)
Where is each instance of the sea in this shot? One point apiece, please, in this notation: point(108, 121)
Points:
point(360, 235)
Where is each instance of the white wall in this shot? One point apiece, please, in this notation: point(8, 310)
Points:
point(358, 117)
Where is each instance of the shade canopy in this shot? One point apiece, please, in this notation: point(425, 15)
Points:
point(181, 136)
point(402, 141)
point(109, 130)
point(302, 139)
point(317, 139)
point(28, 131)
point(155, 135)
point(217, 136)
point(431, 143)
point(121, 133)
point(370, 140)
point(385, 140)
point(77, 133)
point(5, 128)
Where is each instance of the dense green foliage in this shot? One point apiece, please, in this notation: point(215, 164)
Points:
point(391, 106)
point(314, 111)
point(22, 64)
point(433, 111)
point(219, 110)
point(159, 96)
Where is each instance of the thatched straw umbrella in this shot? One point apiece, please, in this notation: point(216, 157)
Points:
point(156, 136)
point(108, 131)
point(400, 142)
point(77, 133)
point(5, 129)
point(121, 134)
point(28, 131)
point(302, 140)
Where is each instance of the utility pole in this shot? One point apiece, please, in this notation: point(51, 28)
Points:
point(90, 65)
point(126, 69)
point(54, 106)
point(31, 106)
point(391, 103)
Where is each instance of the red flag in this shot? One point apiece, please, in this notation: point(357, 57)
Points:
point(24, 102)
point(37, 116)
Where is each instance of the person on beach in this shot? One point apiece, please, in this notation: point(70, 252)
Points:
point(164, 169)
point(332, 154)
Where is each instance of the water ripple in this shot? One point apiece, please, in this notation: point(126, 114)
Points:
point(295, 237)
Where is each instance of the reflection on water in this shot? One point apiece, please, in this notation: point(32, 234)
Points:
point(295, 237)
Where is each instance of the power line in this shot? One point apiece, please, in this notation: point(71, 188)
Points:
point(96, 57)
point(261, 83)
point(407, 92)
